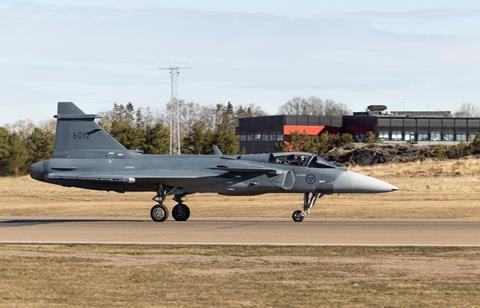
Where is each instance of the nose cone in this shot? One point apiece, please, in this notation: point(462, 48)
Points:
point(351, 182)
point(36, 171)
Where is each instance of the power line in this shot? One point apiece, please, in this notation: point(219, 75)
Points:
point(175, 142)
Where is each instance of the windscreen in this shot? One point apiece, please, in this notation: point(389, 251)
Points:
point(319, 162)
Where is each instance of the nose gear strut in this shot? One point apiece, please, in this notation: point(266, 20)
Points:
point(309, 201)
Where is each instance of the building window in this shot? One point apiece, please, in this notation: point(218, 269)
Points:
point(397, 136)
point(435, 136)
point(472, 136)
point(280, 137)
point(461, 136)
point(258, 137)
point(447, 136)
point(265, 137)
point(250, 137)
point(409, 136)
point(383, 135)
point(243, 137)
point(423, 136)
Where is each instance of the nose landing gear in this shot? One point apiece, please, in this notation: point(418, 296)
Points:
point(309, 201)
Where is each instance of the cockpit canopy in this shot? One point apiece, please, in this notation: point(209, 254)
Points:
point(300, 159)
point(303, 159)
point(319, 162)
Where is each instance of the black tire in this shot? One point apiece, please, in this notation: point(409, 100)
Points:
point(181, 212)
point(297, 216)
point(159, 213)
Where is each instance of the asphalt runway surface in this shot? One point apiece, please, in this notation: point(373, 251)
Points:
point(240, 231)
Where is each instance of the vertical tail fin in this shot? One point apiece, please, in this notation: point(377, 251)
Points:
point(77, 131)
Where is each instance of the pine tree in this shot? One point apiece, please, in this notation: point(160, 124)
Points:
point(4, 151)
point(156, 139)
point(226, 140)
point(199, 140)
point(17, 159)
point(40, 145)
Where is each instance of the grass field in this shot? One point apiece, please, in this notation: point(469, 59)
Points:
point(429, 189)
point(238, 276)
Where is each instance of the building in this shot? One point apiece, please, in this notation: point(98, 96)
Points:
point(262, 134)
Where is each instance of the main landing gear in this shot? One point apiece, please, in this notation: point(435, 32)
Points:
point(309, 201)
point(159, 212)
point(180, 212)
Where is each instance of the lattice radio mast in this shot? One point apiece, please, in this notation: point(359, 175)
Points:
point(175, 142)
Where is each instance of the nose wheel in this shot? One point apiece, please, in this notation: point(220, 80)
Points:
point(309, 201)
point(298, 216)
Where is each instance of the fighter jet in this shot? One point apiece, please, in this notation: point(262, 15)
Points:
point(86, 156)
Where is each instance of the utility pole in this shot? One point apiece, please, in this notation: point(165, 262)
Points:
point(175, 142)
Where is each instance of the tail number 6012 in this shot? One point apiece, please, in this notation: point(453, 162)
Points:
point(81, 136)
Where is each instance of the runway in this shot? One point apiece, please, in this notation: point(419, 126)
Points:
point(249, 231)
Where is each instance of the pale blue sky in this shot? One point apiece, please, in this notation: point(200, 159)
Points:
point(412, 54)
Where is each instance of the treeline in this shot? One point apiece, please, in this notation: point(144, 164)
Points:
point(19, 149)
point(201, 127)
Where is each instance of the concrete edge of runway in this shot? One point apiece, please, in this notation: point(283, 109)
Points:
point(236, 219)
point(53, 243)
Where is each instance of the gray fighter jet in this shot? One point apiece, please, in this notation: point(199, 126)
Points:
point(86, 156)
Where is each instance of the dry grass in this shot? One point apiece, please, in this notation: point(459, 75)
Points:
point(238, 276)
point(430, 189)
point(428, 168)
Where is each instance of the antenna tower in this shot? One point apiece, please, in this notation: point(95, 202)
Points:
point(175, 142)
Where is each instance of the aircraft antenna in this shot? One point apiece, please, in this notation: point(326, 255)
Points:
point(175, 142)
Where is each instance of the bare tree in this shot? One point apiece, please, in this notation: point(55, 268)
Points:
point(468, 110)
point(207, 116)
point(23, 127)
point(312, 106)
point(250, 110)
point(335, 109)
point(48, 125)
point(295, 106)
point(189, 114)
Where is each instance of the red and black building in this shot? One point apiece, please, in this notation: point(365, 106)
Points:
point(263, 134)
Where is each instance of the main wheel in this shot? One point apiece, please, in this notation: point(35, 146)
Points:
point(297, 216)
point(181, 212)
point(159, 213)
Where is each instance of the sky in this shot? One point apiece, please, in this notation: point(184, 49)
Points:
point(417, 55)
